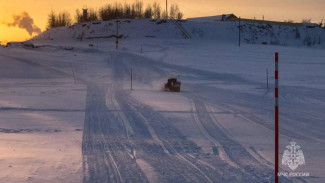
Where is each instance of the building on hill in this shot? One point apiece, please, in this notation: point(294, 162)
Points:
point(292, 24)
point(272, 22)
point(224, 17)
point(232, 17)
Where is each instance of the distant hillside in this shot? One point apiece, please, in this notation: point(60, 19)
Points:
point(252, 33)
point(130, 29)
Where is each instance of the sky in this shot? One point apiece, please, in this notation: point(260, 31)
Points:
point(38, 10)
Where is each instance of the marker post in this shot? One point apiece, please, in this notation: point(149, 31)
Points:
point(276, 108)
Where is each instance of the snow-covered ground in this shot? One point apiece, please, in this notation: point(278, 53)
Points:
point(67, 113)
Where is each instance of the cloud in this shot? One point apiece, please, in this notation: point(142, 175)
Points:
point(24, 21)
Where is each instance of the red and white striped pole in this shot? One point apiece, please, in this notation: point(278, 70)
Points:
point(276, 107)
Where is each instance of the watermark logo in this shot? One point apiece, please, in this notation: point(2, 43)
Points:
point(293, 156)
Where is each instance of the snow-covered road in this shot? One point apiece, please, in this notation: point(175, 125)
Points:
point(69, 116)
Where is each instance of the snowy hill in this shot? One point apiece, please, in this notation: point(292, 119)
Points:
point(130, 29)
point(219, 31)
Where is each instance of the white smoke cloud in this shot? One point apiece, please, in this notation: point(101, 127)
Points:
point(24, 21)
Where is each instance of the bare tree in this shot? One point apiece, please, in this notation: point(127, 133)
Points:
point(138, 8)
point(60, 20)
point(105, 13)
point(306, 21)
point(133, 11)
point(164, 14)
point(114, 11)
point(64, 19)
point(127, 11)
point(321, 23)
point(156, 10)
point(180, 16)
point(117, 10)
point(119, 13)
point(289, 21)
point(148, 13)
point(92, 15)
point(51, 21)
point(175, 12)
point(78, 16)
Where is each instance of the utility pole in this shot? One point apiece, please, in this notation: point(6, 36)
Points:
point(239, 29)
point(166, 9)
point(116, 42)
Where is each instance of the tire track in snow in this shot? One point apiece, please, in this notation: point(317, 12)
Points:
point(260, 171)
point(184, 157)
point(222, 154)
point(103, 152)
point(105, 142)
point(232, 148)
point(180, 158)
point(255, 120)
point(184, 169)
point(102, 149)
point(251, 150)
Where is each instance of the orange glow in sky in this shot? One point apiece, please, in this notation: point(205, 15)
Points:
point(271, 9)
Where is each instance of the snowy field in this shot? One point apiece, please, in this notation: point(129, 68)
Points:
point(68, 115)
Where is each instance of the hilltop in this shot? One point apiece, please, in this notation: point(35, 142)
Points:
point(227, 32)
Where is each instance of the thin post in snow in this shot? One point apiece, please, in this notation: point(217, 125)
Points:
point(276, 108)
point(267, 78)
point(74, 77)
point(239, 29)
point(116, 42)
point(131, 80)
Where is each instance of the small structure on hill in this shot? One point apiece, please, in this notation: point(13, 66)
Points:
point(232, 17)
point(84, 14)
point(223, 17)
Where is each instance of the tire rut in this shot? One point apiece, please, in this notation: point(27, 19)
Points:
point(185, 161)
point(234, 150)
point(104, 146)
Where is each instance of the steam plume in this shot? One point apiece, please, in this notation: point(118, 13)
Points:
point(24, 21)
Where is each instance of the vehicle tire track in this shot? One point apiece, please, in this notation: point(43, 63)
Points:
point(222, 154)
point(183, 169)
point(184, 161)
point(105, 142)
point(234, 150)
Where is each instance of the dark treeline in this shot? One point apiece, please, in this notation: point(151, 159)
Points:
point(59, 20)
point(136, 10)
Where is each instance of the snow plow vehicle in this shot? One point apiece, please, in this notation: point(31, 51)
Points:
point(173, 85)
